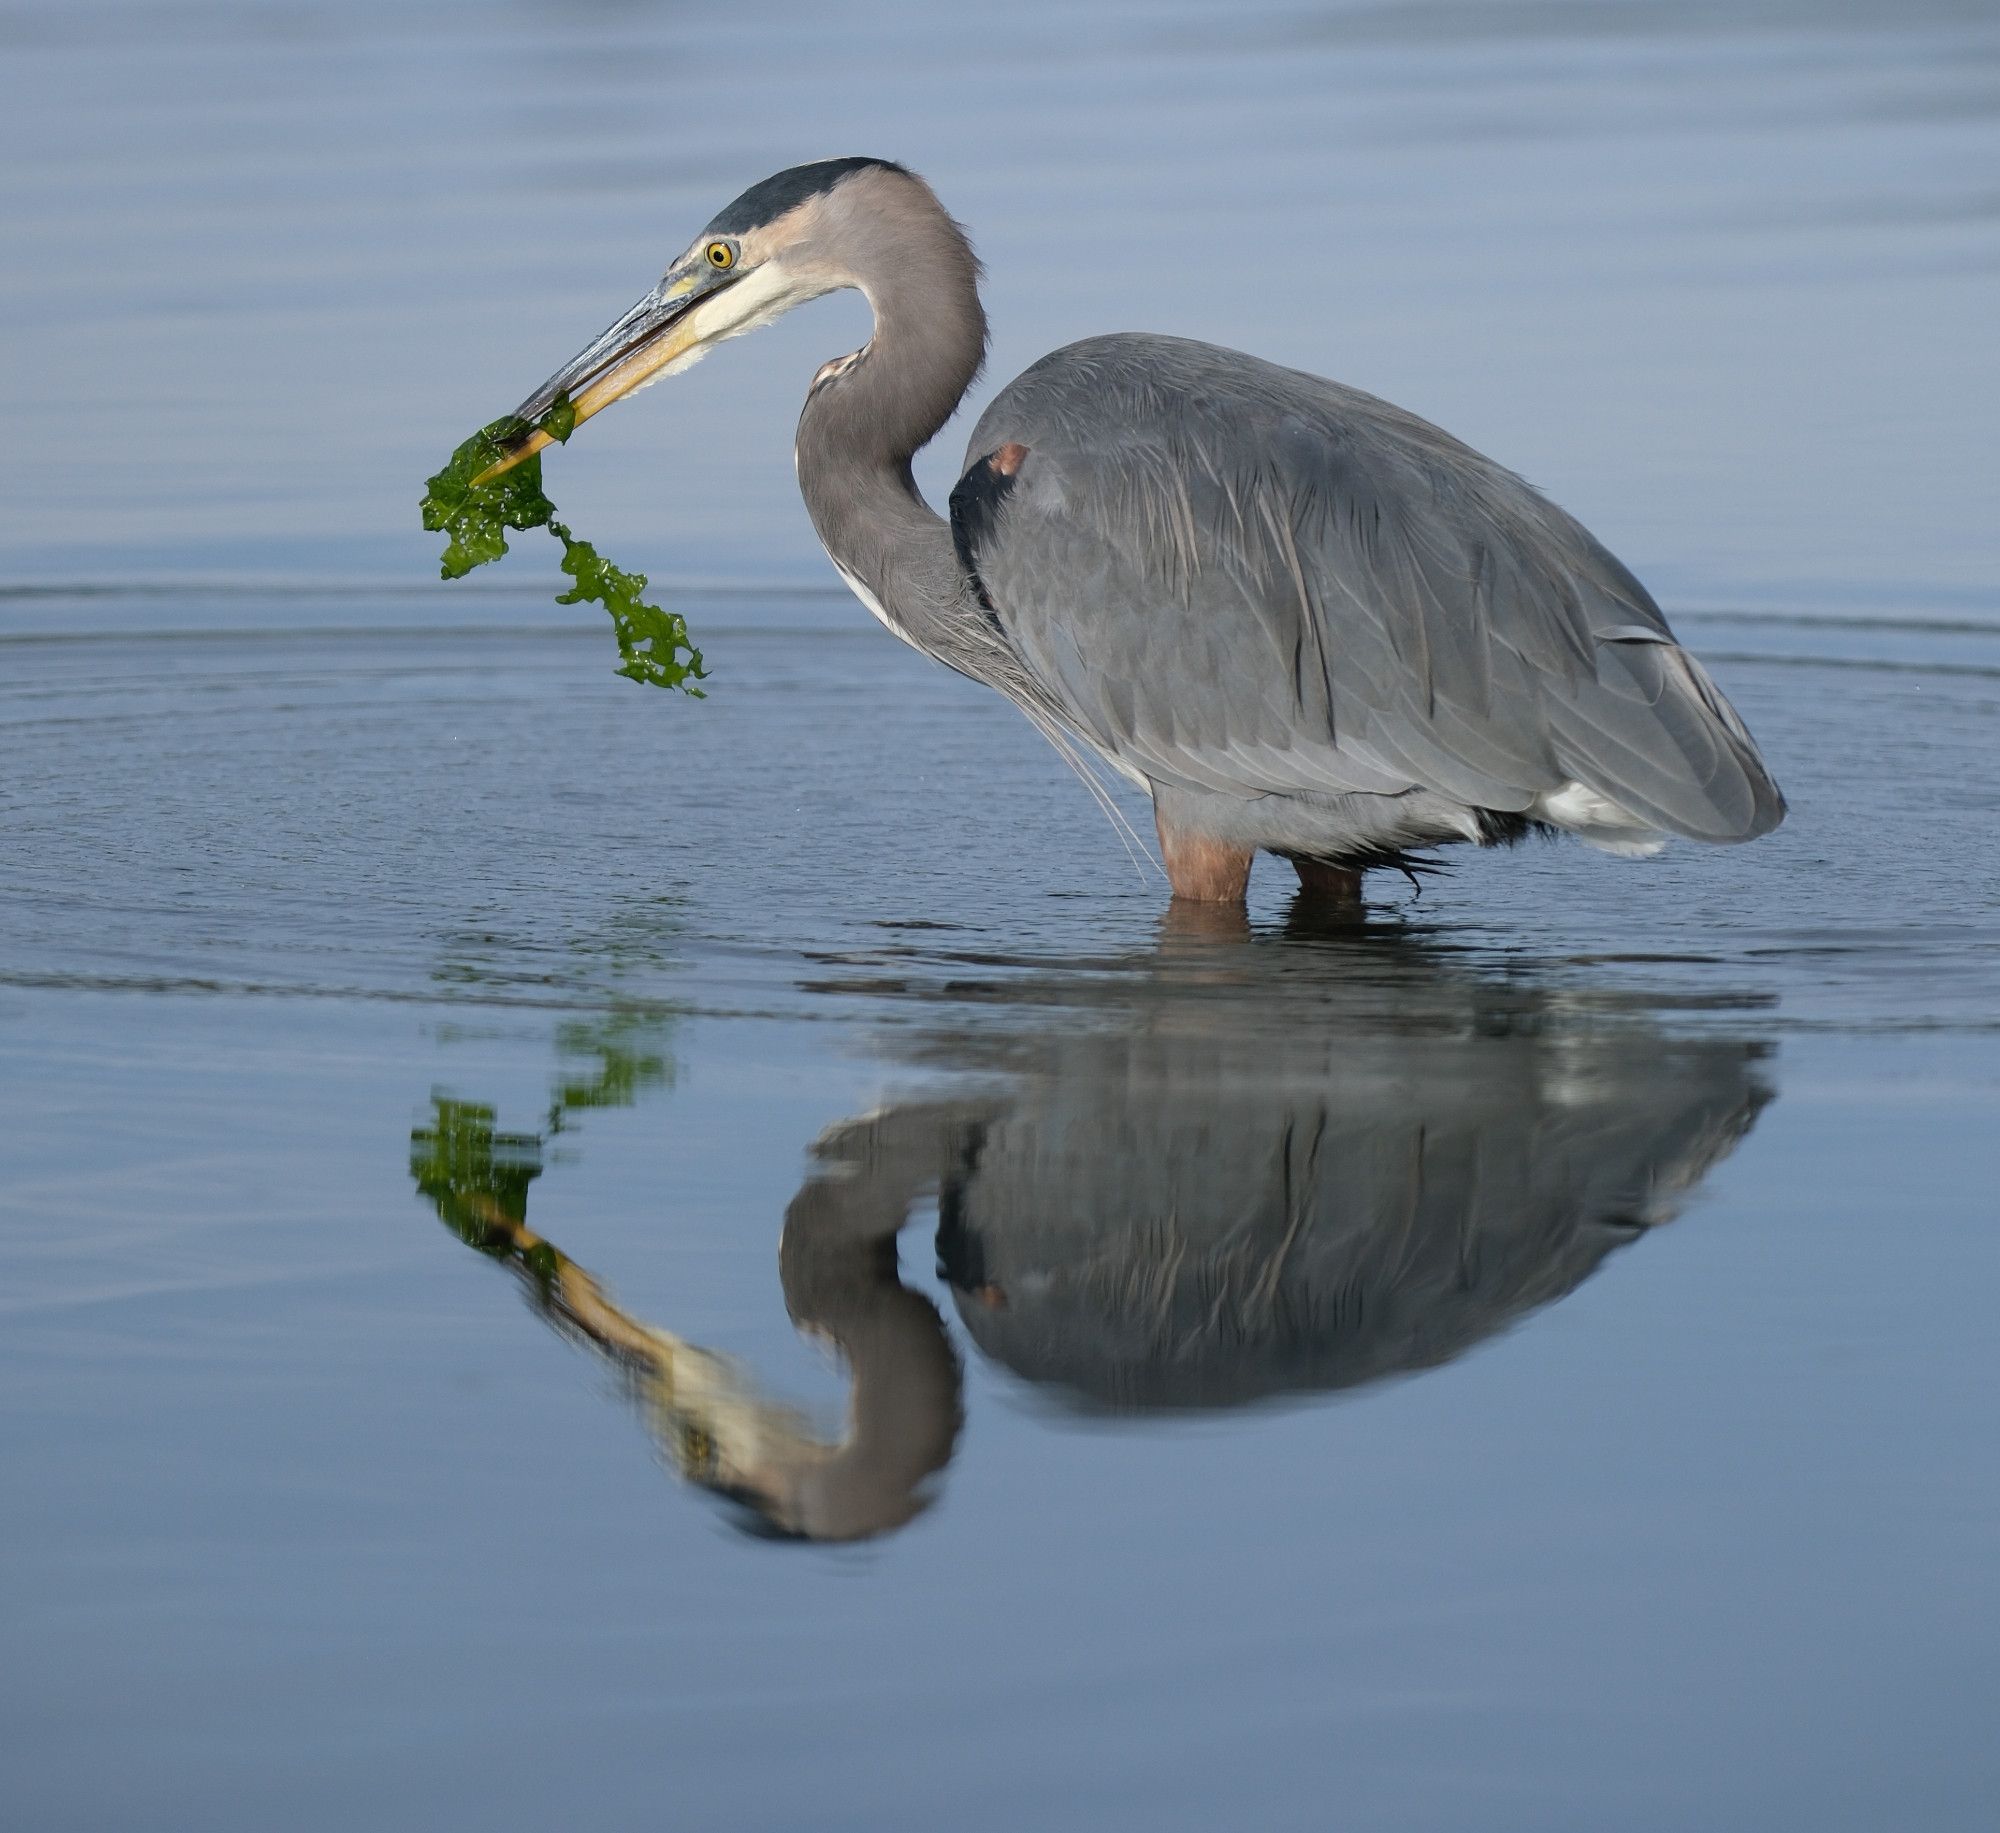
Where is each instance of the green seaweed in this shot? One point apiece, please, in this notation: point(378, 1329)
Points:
point(476, 1178)
point(477, 516)
point(652, 644)
point(610, 1061)
point(650, 640)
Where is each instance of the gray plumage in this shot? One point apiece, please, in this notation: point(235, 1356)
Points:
point(1301, 618)
point(1298, 615)
point(1246, 583)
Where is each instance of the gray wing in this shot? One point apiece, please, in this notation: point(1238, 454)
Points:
point(1238, 577)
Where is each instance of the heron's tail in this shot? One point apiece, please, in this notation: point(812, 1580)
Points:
point(1654, 748)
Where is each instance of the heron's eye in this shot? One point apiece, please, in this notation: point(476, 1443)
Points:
point(721, 255)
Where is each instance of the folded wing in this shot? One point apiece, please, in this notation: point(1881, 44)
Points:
point(1241, 578)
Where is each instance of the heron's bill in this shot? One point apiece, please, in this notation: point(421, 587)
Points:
point(654, 335)
point(526, 449)
point(668, 345)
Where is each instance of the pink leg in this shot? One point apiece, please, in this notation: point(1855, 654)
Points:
point(1202, 869)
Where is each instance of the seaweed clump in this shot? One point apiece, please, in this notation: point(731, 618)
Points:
point(475, 512)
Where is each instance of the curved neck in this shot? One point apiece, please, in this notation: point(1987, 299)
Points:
point(866, 417)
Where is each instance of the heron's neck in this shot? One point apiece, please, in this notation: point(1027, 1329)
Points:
point(864, 420)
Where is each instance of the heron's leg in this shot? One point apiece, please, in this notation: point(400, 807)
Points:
point(1201, 867)
point(1326, 883)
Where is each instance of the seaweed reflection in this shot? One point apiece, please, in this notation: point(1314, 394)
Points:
point(1236, 1170)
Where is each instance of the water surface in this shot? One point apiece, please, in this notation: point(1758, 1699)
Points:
point(572, 1256)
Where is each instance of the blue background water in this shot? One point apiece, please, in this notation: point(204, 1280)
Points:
point(308, 1520)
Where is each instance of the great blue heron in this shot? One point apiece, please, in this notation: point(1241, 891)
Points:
point(1303, 620)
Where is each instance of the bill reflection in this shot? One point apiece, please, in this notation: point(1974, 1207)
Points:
point(1240, 1170)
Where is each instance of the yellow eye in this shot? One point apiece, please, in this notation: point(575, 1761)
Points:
point(721, 255)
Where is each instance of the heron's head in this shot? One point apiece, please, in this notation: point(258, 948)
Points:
point(798, 234)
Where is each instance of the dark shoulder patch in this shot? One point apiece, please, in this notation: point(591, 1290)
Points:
point(975, 507)
point(771, 197)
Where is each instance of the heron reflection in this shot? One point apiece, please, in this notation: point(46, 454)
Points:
point(1241, 1171)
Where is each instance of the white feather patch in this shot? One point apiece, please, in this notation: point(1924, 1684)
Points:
point(874, 604)
point(763, 294)
point(1598, 821)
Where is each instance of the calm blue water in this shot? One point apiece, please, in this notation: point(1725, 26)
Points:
point(572, 1257)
